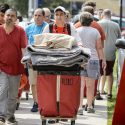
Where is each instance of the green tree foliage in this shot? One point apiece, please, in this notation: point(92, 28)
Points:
point(20, 5)
point(54, 3)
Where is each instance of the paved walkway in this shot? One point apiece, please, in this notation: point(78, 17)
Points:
point(25, 117)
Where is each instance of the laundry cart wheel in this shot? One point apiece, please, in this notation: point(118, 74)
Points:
point(43, 121)
point(72, 122)
point(57, 120)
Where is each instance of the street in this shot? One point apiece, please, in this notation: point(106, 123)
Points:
point(26, 117)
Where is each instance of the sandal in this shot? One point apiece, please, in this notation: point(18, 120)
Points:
point(86, 106)
point(98, 96)
point(90, 110)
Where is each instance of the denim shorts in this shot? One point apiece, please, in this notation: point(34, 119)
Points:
point(92, 69)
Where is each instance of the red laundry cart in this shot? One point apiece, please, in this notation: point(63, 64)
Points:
point(58, 96)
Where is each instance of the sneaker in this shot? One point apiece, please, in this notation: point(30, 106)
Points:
point(11, 121)
point(90, 110)
point(35, 107)
point(109, 96)
point(2, 121)
point(80, 111)
point(98, 96)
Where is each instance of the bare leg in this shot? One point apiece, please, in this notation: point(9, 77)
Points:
point(110, 83)
point(98, 85)
point(103, 80)
point(80, 111)
point(98, 96)
point(90, 91)
point(34, 92)
point(82, 91)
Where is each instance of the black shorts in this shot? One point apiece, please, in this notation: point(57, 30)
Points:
point(109, 67)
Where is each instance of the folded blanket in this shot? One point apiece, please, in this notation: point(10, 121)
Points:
point(58, 61)
point(57, 57)
point(54, 40)
point(60, 52)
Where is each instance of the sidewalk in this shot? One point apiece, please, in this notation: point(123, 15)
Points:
point(25, 117)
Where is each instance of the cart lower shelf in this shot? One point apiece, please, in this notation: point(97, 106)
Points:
point(57, 119)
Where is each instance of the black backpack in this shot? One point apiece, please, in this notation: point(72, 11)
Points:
point(68, 28)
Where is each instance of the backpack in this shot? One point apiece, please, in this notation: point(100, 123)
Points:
point(68, 28)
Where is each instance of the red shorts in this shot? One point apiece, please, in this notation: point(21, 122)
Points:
point(109, 67)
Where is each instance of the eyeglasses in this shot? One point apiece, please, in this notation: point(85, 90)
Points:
point(48, 16)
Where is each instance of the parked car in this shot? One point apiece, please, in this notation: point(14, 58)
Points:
point(123, 34)
point(117, 20)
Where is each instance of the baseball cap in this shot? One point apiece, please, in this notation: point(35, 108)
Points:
point(60, 8)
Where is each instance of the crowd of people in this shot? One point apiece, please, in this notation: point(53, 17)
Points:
point(97, 35)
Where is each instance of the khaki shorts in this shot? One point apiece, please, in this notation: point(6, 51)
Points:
point(32, 76)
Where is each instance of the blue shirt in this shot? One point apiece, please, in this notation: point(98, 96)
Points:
point(34, 29)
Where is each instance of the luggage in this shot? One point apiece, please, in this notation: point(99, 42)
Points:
point(58, 95)
point(24, 86)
